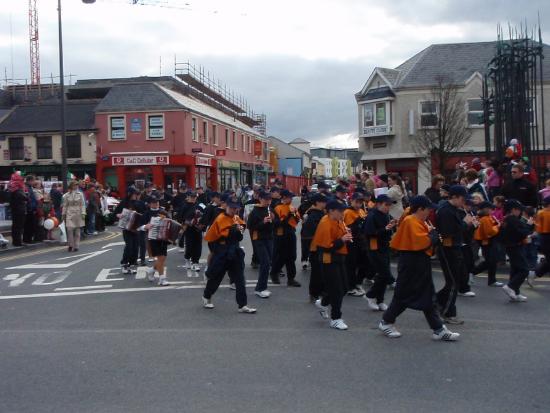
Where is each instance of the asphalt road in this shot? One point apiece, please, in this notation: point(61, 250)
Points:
point(77, 336)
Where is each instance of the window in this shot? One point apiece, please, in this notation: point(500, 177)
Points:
point(156, 126)
point(205, 132)
point(381, 114)
point(250, 144)
point(234, 140)
point(44, 147)
point(227, 138)
point(17, 149)
point(215, 135)
point(194, 130)
point(266, 153)
point(118, 127)
point(368, 115)
point(429, 114)
point(475, 112)
point(243, 140)
point(74, 147)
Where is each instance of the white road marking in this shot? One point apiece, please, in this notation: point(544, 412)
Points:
point(58, 266)
point(106, 291)
point(59, 276)
point(113, 244)
point(20, 280)
point(103, 275)
point(84, 287)
point(10, 277)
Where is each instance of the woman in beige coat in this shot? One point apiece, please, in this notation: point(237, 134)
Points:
point(74, 213)
point(395, 192)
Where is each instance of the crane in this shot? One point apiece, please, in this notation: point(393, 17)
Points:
point(34, 43)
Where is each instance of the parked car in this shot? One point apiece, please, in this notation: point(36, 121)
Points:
point(314, 188)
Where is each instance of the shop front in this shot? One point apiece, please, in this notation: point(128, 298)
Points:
point(49, 172)
point(204, 167)
point(247, 172)
point(260, 174)
point(228, 174)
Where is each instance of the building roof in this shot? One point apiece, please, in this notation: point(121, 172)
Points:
point(46, 118)
point(287, 147)
point(195, 105)
point(298, 140)
point(136, 97)
point(456, 62)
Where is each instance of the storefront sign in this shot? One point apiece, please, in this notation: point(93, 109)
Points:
point(229, 164)
point(140, 160)
point(261, 168)
point(135, 125)
point(220, 152)
point(203, 161)
point(196, 150)
point(247, 166)
point(257, 148)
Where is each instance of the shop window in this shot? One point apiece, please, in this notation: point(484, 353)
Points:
point(156, 126)
point(194, 130)
point(74, 146)
point(17, 149)
point(117, 125)
point(44, 147)
point(205, 132)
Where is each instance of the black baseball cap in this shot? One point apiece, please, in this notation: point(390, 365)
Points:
point(322, 185)
point(232, 204)
point(357, 196)
point(513, 204)
point(215, 195)
point(275, 189)
point(286, 193)
point(384, 199)
point(421, 201)
point(264, 195)
point(319, 198)
point(340, 188)
point(458, 190)
point(332, 205)
point(486, 204)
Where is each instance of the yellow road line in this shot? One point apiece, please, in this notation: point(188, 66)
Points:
point(15, 256)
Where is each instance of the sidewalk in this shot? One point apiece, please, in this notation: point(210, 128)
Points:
point(47, 244)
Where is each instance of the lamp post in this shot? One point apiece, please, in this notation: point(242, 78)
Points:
point(64, 168)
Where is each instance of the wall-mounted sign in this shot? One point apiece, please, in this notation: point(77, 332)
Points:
point(136, 125)
point(257, 148)
point(140, 160)
point(377, 131)
point(220, 152)
point(203, 161)
point(196, 150)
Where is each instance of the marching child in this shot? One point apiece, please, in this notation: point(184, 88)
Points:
point(159, 248)
point(514, 235)
point(354, 219)
point(311, 220)
point(543, 231)
point(330, 243)
point(486, 234)
point(415, 239)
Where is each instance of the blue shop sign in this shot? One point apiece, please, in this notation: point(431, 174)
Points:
point(135, 125)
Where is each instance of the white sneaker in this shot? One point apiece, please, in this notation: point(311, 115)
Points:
point(163, 282)
point(509, 292)
point(150, 274)
point(195, 267)
point(304, 266)
point(382, 306)
point(263, 294)
point(207, 303)
point(531, 279)
point(150, 259)
point(247, 310)
point(360, 289)
point(521, 298)
point(232, 286)
point(125, 270)
point(389, 330)
point(372, 304)
point(496, 284)
point(338, 324)
point(445, 335)
point(182, 250)
point(355, 293)
point(186, 264)
point(322, 309)
point(470, 294)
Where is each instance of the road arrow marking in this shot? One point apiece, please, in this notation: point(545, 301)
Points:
point(113, 244)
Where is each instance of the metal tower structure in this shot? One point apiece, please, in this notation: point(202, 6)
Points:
point(34, 43)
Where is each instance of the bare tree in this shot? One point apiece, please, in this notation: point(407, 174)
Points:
point(444, 129)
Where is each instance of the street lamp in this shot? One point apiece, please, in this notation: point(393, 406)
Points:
point(64, 169)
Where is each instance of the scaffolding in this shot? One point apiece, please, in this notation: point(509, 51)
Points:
point(200, 84)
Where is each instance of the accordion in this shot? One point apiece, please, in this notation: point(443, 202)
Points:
point(164, 229)
point(129, 220)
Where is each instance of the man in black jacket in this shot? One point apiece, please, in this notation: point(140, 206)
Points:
point(260, 225)
point(520, 188)
point(433, 192)
point(378, 229)
point(451, 222)
point(189, 215)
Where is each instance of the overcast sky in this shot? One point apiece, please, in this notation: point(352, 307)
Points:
point(298, 61)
